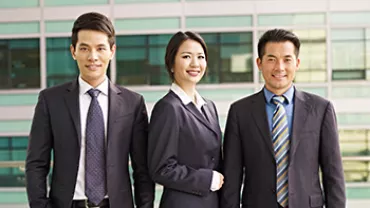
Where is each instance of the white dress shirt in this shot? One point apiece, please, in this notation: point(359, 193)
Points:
point(84, 101)
point(200, 102)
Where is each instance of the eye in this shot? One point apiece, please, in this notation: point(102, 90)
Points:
point(288, 60)
point(270, 59)
point(186, 57)
point(83, 49)
point(101, 49)
point(201, 57)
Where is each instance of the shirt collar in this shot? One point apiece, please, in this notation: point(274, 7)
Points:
point(84, 86)
point(289, 94)
point(184, 97)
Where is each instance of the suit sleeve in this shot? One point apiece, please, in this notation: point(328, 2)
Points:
point(233, 163)
point(38, 156)
point(144, 186)
point(331, 161)
point(163, 164)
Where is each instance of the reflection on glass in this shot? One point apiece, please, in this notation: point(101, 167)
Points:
point(19, 63)
point(60, 66)
point(348, 54)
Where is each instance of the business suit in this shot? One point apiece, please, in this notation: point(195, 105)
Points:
point(314, 144)
point(184, 149)
point(56, 126)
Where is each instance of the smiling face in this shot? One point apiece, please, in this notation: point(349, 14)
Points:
point(93, 54)
point(190, 64)
point(278, 66)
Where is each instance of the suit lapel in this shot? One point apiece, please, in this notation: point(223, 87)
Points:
point(212, 119)
point(116, 104)
point(72, 101)
point(301, 108)
point(260, 117)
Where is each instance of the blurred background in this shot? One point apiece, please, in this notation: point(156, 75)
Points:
point(335, 64)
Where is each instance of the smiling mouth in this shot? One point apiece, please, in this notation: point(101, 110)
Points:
point(279, 76)
point(93, 66)
point(193, 73)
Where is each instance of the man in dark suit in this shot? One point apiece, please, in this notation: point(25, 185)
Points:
point(279, 138)
point(91, 126)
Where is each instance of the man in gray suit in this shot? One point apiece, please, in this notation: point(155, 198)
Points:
point(91, 126)
point(279, 138)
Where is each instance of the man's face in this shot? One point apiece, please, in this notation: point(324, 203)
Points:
point(278, 66)
point(93, 54)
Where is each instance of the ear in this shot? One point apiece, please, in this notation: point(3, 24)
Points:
point(298, 63)
point(259, 62)
point(73, 50)
point(113, 50)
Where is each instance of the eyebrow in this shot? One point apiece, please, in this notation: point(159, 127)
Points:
point(286, 56)
point(192, 53)
point(99, 45)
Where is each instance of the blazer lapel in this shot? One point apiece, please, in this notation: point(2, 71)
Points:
point(211, 118)
point(116, 104)
point(260, 117)
point(72, 101)
point(301, 108)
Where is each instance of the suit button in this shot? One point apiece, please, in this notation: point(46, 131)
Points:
point(213, 159)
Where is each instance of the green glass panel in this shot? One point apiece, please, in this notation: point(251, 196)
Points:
point(19, 4)
point(73, 2)
point(226, 38)
point(18, 99)
point(210, 38)
point(147, 24)
point(347, 34)
point(354, 118)
point(19, 142)
point(291, 19)
point(59, 62)
point(131, 54)
point(159, 39)
point(136, 40)
point(351, 92)
point(350, 18)
point(226, 21)
point(58, 26)
point(19, 28)
point(15, 126)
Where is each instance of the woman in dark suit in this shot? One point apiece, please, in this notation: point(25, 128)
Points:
point(184, 150)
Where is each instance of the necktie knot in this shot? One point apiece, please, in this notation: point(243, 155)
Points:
point(94, 92)
point(278, 99)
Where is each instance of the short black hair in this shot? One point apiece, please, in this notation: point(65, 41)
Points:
point(174, 45)
point(278, 35)
point(93, 21)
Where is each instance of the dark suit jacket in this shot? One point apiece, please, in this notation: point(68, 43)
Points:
point(314, 145)
point(184, 149)
point(56, 127)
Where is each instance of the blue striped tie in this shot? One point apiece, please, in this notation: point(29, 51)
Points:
point(280, 139)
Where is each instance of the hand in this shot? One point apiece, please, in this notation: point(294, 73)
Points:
point(221, 180)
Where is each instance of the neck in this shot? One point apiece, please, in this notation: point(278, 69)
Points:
point(278, 91)
point(189, 90)
point(94, 83)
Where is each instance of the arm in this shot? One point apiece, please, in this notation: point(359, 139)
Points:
point(162, 158)
point(233, 163)
point(38, 156)
point(144, 186)
point(331, 161)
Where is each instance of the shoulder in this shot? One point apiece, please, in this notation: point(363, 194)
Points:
point(311, 98)
point(58, 89)
point(245, 102)
point(127, 93)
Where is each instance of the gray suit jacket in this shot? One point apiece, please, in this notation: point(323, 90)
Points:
point(184, 149)
point(56, 128)
point(248, 152)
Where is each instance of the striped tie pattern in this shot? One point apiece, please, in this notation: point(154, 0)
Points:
point(281, 142)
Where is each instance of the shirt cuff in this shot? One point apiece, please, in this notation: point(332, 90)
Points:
point(215, 181)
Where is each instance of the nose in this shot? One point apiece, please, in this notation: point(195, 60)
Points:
point(93, 55)
point(279, 65)
point(194, 62)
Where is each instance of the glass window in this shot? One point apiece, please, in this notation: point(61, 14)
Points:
point(140, 58)
point(348, 54)
point(313, 56)
point(291, 19)
point(12, 149)
point(19, 63)
point(59, 62)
